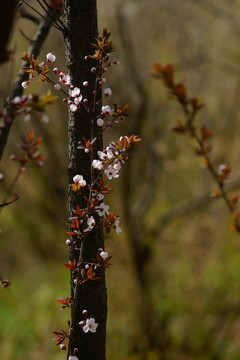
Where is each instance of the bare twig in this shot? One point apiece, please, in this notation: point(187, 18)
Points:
point(48, 16)
point(25, 36)
point(9, 202)
point(31, 17)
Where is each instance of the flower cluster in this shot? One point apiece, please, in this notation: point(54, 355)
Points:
point(113, 157)
point(27, 104)
point(33, 68)
point(89, 324)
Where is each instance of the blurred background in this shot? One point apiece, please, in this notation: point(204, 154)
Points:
point(174, 289)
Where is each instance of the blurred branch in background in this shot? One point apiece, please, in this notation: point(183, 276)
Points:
point(145, 185)
point(143, 238)
point(40, 36)
point(188, 206)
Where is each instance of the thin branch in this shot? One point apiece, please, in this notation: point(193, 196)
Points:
point(25, 36)
point(30, 17)
point(48, 17)
point(58, 20)
point(47, 10)
point(9, 202)
point(17, 90)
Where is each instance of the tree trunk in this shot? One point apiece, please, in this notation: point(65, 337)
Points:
point(80, 20)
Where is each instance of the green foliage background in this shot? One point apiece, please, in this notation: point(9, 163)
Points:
point(193, 282)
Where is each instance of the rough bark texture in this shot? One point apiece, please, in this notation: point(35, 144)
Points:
point(80, 20)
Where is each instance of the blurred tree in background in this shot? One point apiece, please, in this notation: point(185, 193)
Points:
point(174, 289)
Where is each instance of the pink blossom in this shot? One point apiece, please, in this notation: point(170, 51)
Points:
point(68, 242)
point(97, 164)
point(25, 84)
point(116, 226)
point(104, 255)
point(79, 179)
point(50, 57)
point(91, 326)
point(108, 92)
point(77, 100)
point(64, 78)
point(100, 197)
point(117, 165)
point(91, 223)
point(57, 86)
point(102, 155)
point(17, 100)
point(105, 155)
point(75, 92)
point(102, 209)
point(73, 107)
point(111, 173)
point(100, 122)
point(71, 357)
point(106, 110)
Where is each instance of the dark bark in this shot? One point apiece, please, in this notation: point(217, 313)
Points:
point(80, 20)
point(6, 21)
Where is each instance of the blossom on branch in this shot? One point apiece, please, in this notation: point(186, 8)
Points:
point(100, 122)
point(116, 226)
point(75, 92)
point(97, 164)
point(106, 110)
point(111, 173)
point(102, 209)
point(73, 107)
point(78, 179)
point(25, 84)
point(104, 255)
point(50, 57)
point(91, 223)
point(90, 325)
point(107, 92)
